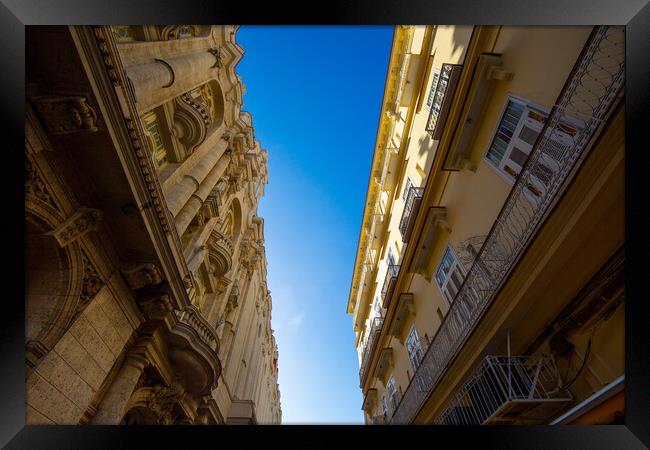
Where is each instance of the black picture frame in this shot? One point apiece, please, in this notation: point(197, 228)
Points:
point(635, 14)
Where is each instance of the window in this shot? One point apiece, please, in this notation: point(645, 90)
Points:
point(414, 348)
point(152, 131)
point(390, 258)
point(384, 409)
point(449, 275)
point(409, 185)
point(377, 307)
point(516, 134)
point(432, 90)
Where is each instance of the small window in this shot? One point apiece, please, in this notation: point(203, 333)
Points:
point(377, 307)
point(390, 258)
point(449, 275)
point(384, 409)
point(152, 130)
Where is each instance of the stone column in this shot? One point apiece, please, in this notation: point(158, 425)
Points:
point(178, 195)
point(111, 409)
point(197, 198)
point(158, 82)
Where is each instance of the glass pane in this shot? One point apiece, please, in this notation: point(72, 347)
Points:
point(505, 130)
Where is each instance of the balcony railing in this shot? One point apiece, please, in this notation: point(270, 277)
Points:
point(389, 283)
point(411, 206)
point(504, 386)
point(375, 331)
point(441, 102)
point(588, 95)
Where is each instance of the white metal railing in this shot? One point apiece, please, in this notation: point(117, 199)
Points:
point(375, 331)
point(387, 288)
point(589, 94)
point(413, 194)
point(501, 381)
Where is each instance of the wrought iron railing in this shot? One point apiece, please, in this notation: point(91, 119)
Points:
point(375, 331)
point(503, 382)
point(413, 194)
point(389, 283)
point(590, 92)
point(444, 91)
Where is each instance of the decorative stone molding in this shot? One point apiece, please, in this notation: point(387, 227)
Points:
point(34, 351)
point(102, 36)
point(34, 184)
point(174, 32)
point(140, 275)
point(233, 298)
point(218, 54)
point(220, 249)
point(65, 114)
point(80, 223)
point(91, 284)
point(146, 164)
point(156, 308)
point(163, 399)
point(191, 120)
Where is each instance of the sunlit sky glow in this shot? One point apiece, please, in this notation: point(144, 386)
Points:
point(315, 95)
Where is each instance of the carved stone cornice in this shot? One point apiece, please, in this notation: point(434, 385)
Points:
point(65, 114)
point(77, 225)
point(147, 168)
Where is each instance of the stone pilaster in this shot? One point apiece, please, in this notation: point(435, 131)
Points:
point(111, 409)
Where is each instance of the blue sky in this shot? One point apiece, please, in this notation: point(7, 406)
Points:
point(315, 94)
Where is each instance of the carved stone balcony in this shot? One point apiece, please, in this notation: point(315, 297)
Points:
point(194, 350)
point(411, 208)
point(375, 331)
point(220, 253)
point(192, 318)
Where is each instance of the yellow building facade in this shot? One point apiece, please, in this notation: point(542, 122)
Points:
point(146, 291)
point(488, 283)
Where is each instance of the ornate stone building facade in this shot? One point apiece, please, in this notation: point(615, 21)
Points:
point(146, 293)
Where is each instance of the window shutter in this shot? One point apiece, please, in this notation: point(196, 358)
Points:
point(523, 139)
point(407, 187)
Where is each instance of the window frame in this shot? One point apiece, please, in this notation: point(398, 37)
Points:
point(456, 265)
point(495, 129)
point(413, 340)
